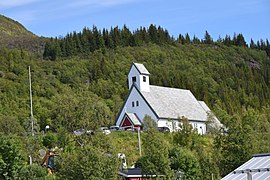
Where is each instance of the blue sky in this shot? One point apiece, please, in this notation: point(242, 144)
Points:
point(51, 18)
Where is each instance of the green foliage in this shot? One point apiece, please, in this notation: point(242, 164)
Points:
point(33, 172)
point(207, 38)
point(80, 110)
point(149, 123)
point(155, 159)
point(185, 135)
point(130, 149)
point(49, 140)
point(85, 84)
point(12, 157)
point(89, 163)
point(10, 125)
point(15, 35)
point(237, 143)
point(186, 162)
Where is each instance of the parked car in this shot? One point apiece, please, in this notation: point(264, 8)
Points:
point(79, 132)
point(114, 128)
point(105, 130)
point(163, 129)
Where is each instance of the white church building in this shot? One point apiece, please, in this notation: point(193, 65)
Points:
point(163, 104)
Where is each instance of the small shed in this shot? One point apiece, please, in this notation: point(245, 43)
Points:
point(257, 168)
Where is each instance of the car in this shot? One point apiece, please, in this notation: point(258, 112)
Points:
point(105, 130)
point(79, 132)
point(114, 128)
point(163, 129)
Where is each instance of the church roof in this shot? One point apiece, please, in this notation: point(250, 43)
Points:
point(141, 68)
point(174, 103)
point(134, 119)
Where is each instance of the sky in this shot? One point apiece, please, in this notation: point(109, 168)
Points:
point(54, 18)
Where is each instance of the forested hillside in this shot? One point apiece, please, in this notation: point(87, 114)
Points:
point(81, 83)
point(15, 35)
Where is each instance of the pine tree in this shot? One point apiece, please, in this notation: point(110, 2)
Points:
point(116, 36)
point(227, 40)
point(107, 39)
point(98, 38)
point(126, 36)
point(181, 39)
point(196, 40)
point(152, 31)
point(240, 41)
point(207, 38)
point(187, 39)
point(252, 44)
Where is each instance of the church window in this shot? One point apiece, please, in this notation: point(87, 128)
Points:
point(144, 78)
point(132, 103)
point(134, 79)
point(137, 103)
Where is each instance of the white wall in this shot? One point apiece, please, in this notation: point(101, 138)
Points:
point(141, 110)
point(143, 86)
point(133, 72)
point(200, 126)
point(174, 125)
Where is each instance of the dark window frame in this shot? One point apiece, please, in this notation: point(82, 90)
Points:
point(134, 79)
point(144, 78)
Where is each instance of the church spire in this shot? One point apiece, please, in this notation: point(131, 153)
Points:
point(139, 76)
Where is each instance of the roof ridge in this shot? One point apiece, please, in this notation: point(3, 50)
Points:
point(169, 87)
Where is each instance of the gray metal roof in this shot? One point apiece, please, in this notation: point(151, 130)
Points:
point(258, 167)
point(174, 103)
point(134, 119)
point(141, 68)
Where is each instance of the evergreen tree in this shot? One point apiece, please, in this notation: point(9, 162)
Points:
point(98, 38)
point(181, 39)
point(196, 40)
point(252, 44)
point(240, 41)
point(207, 38)
point(116, 36)
point(107, 39)
point(152, 31)
point(267, 48)
point(227, 40)
point(126, 36)
point(187, 39)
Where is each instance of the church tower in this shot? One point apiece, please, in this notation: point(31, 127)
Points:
point(139, 76)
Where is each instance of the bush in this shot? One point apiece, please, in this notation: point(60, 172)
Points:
point(34, 171)
point(49, 140)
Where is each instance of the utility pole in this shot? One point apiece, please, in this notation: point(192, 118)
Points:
point(249, 176)
point(31, 103)
point(139, 141)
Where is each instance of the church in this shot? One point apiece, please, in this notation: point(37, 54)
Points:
point(163, 104)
